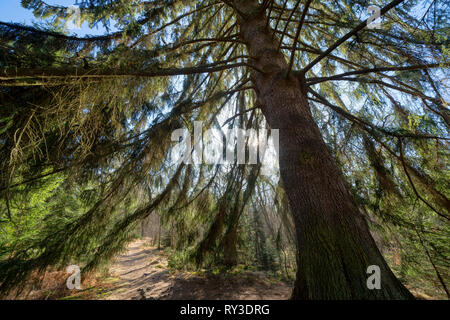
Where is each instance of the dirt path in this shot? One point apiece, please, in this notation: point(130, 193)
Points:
point(142, 273)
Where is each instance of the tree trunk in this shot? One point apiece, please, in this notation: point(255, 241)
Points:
point(230, 247)
point(334, 244)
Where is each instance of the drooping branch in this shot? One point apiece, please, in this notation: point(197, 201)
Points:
point(280, 16)
point(177, 19)
point(312, 81)
point(13, 73)
point(297, 35)
point(361, 26)
point(365, 124)
point(424, 180)
point(287, 23)
point(19, 27)
point(402, 159)
point(438, 274)
point(411, 91)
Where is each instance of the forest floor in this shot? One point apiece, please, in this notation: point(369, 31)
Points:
point(142, 273)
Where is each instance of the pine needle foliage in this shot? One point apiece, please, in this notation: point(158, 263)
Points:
point(86, 123)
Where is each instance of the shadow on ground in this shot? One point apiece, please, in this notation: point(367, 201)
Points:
point(142, 273)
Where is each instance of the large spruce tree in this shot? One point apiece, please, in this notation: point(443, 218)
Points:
point(361, 113)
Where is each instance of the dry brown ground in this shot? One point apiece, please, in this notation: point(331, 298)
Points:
point(141, 273)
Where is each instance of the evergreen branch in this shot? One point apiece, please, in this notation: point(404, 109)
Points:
point(58, 35)
point(297, 35)
point(413, 92)
point(39, 73)
point(361, 26)
point(279, 17)
point(438, 274)
point(174, 21)
point(402, 159)
point(239, 114)
point(287, 24)
point(353, 118)
point(316, 80)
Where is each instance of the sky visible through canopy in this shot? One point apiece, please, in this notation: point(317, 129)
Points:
point(12, 11)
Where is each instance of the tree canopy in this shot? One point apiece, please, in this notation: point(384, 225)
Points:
point(86, 124)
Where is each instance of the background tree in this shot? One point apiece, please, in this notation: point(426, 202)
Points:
point(362, 116)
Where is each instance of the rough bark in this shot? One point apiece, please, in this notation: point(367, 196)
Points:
point(334, 244)
point(230, 247)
